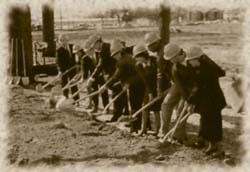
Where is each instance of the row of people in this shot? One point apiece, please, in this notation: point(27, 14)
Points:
point(190, 80)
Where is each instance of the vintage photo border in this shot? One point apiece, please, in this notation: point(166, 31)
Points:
point(4, 95)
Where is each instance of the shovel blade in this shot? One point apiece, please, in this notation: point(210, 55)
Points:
point(9, 80)
point(39, 88)
point(235, 100)
point(25, 81)
point(56, 90)
point(65, 105)
point(16, 80)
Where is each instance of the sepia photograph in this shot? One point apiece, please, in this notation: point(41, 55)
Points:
point(132, 85)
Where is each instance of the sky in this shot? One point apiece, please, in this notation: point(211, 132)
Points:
point(71, 8)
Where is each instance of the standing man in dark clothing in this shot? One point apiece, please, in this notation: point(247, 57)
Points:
point(154, 45)
point(176, 55)
point(105, 66)
point(87, 66)
point(131, 79)
point(207, 96)
point(148, 66)
point(66, 60)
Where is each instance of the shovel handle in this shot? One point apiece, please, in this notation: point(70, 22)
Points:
point(57, 77)
point(183, 112)
point(73, 95)
point(90, 95)
point(172, 131)
point(17, 72)
point(148, 104)
point(70, 69)
point(11, 55)
point(70, 81)
point(24, 61)
point(113, 100)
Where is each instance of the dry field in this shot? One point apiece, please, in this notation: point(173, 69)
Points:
point(41, 136)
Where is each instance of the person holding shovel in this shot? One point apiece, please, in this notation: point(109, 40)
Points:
point(154, 45)
point(115, 85)
point(65, 60)
point(87, 65)
point(176, 55)
point(104, 65)
point(207, 97)
point(148, 67)
point(107, 66)
point(130, 77)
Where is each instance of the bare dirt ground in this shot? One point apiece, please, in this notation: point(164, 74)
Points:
point(41, 136)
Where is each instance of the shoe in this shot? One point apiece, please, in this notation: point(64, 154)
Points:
point(107, 111)
point(113, 119)
point(142, 133)
point(77, 104)
point(133, 129)
point(199, 144)
point(127, 124)
point(160, 135)
point(211, 149)
point(89, 106)
point(94, 110)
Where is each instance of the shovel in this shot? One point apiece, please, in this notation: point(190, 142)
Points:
point(79, 89)
point(68, 103)
point(25, 79)
point(57, 90)
point(181, 119)
point(10, 79)
point(148, 104)
point(40, 88)
point(172, 131)
point(63, 105)
point(113, 100)
point(16, 79)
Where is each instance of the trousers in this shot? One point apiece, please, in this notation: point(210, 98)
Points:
point(169, 103)
point(65, 79)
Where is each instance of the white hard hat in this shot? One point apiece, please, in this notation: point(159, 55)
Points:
point(116, 46)
point(138, 49)
point(86, 45)
point(171, 50)
point(93, 39)
point(194, 52)
point(76, 48)
point(63, 38)
point(151, 38)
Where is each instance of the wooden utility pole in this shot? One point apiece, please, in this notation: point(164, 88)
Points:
point(164, 28)
point(164, 24)
point(19, 30)
point(48, 29)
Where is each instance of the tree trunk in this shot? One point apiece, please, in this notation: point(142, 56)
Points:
point(48, 29)
point(19, 30)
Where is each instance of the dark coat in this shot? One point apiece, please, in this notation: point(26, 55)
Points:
point(106, 64)
point(149, 72)
point(164, 72)
point(126, 71)
point(200, 87)
point(65, 59)
point(88, 65)
point(206, 86)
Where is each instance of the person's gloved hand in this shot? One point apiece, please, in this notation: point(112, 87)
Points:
point(150, 97)
point(59, 75)
point(190, 107)
point(102, 89)
point(90, 82)
point(125, 87)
